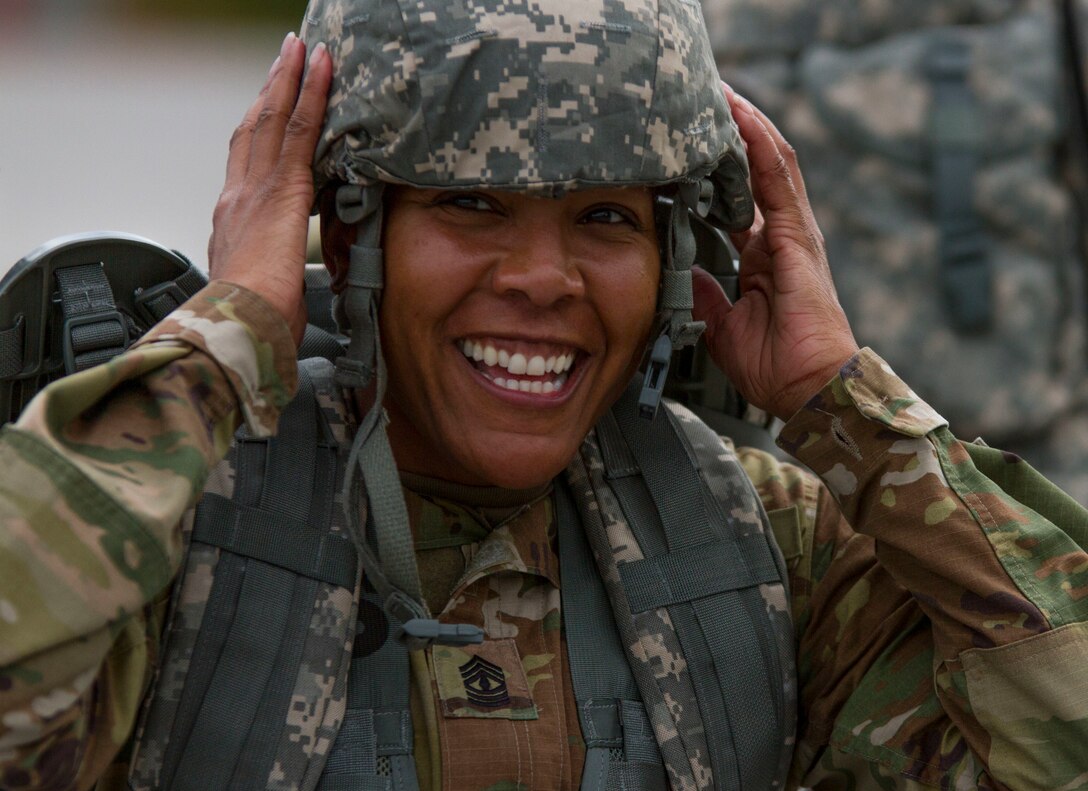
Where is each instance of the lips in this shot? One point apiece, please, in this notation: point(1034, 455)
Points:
point(538, 368)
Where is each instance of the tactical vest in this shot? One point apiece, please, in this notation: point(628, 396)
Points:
point(280, 669)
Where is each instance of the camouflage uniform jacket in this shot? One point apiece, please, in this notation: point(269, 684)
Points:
point(938, 588)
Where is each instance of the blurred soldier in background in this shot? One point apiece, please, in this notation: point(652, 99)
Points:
point(943, 152)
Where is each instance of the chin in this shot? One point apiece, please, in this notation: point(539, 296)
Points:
point(522, 473)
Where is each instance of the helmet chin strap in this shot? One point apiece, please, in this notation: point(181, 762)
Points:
point(676, 299)
point(385, 543)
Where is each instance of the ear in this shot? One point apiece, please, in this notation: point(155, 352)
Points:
point(336, 241)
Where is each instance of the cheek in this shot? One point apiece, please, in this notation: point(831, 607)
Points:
point(630, 303)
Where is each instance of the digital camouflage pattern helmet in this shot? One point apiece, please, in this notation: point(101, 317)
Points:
point(526, 95)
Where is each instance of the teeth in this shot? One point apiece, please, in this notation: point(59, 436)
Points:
point(518, 364)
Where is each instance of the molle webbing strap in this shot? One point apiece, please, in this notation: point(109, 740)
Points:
point(621, 751)
point(94, 331)
point(275, 551)
point(703, 567)
point(955, 124)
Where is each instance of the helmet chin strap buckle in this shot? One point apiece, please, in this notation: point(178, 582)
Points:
point(653, 385)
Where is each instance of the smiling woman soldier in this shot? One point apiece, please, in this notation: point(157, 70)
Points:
point(532, 577)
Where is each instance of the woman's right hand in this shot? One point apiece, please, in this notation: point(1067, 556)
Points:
point(261, 220)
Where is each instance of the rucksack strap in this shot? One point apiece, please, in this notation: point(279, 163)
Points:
point(275, 551)
point(955, 125)
point(687, 574)
point(621, 751)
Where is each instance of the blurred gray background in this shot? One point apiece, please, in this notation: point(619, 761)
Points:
point(116, 115)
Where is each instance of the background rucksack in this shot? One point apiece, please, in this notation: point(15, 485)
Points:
point(941, 147)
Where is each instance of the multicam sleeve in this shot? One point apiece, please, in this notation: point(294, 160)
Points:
point(97, 474)
point(945, 631)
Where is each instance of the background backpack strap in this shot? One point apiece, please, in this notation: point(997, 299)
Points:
point(686, 578)
point(956, 138)
point(251, 688)
point(621, 751)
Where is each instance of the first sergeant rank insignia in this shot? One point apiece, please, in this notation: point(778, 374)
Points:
point(486, 680)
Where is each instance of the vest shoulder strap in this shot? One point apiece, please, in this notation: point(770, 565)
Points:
point(697, 591)
point(253, 680)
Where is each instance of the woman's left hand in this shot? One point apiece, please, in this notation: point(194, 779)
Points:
point(786, 336)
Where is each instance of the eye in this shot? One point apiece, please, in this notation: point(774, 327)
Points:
point(609, 215)
point(468, 201)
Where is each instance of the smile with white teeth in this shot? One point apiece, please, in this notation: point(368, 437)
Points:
point(518, 364)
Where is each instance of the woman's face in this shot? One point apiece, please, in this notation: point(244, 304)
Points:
point(510, 324)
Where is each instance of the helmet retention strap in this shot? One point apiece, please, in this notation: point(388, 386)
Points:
point(676, 300)
point(389, 563)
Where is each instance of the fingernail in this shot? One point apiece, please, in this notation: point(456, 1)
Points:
point(316, 54)
point(286, 42)
point(275, 63)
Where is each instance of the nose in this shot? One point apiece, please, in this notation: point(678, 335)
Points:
point(539, 266)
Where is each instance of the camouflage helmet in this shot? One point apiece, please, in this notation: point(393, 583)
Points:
point(534, 95)
point(541, 96)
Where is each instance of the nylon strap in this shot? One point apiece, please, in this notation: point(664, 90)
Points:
point(157, 302)
point(94, 331)
point(241, 674)
point(955, 123)
point(719, 633)
point(245, 664)
point(291, 544)
point(598, 661)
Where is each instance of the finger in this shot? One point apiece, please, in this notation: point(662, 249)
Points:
point(741, 239)
point(789, 155)
point(278, 106)
point(238, 150)
point(710, 301)
point(306, 122)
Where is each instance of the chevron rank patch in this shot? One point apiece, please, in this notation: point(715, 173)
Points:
point(486, 680)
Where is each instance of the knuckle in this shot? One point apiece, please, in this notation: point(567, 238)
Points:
point(271, 115)
point(243, 130)
point(299, 126)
